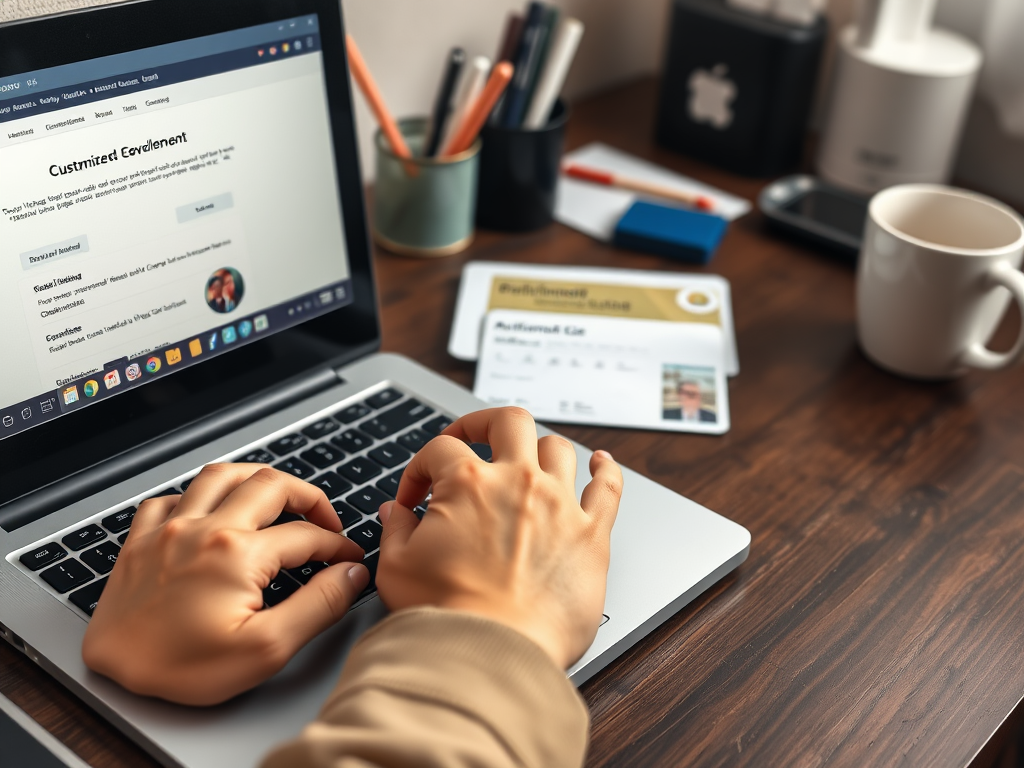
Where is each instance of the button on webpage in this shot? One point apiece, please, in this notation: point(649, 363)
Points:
point(205, 207)
point(54, 252)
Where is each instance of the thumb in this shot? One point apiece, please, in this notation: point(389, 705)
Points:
point(399, 524)
point(315, 607)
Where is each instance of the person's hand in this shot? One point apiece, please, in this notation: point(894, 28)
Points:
point(506, 540)
point(180, 617)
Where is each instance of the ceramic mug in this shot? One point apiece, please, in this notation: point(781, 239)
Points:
point(938, 267)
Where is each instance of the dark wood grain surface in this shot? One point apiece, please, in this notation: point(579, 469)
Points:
point(880, 616)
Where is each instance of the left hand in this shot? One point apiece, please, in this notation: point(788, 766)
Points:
point(182, 615)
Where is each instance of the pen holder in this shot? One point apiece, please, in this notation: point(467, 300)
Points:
point(518, 174)
point(423, 206)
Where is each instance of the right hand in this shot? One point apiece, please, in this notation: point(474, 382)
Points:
point(506, 540)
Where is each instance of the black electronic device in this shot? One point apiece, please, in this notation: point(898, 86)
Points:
point(737, 87)
point(815, 211)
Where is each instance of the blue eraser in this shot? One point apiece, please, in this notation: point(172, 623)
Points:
point(672, 232)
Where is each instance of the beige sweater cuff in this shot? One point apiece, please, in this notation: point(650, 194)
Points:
point(479, 667)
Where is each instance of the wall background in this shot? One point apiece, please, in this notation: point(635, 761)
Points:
point(405, 42)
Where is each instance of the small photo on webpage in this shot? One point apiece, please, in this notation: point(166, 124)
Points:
point(224, 290)
point(689, 394)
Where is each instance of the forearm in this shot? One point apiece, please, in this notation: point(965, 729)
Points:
point(430, 687)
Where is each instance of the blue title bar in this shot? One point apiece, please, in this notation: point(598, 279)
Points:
point(67, 75)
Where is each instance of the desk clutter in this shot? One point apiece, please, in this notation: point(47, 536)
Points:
point(611, 347)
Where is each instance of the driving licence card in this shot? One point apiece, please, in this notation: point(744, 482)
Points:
point(585, 369)
point(670, 297)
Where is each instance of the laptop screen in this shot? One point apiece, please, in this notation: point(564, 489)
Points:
point(162, 207)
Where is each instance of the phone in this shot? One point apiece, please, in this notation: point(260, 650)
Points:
point(816, 211)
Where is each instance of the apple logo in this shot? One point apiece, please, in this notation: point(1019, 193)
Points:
point(711, 95)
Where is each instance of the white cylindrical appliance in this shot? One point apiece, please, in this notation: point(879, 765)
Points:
point(899, 98)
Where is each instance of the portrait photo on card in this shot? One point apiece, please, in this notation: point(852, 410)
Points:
point(689, 394)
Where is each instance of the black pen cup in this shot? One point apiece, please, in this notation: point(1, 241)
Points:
point(518, 174)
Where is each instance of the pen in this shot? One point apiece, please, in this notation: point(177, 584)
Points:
point(700, 202)
point(474, 77)
point(560, 57)
point(475, 118)
point(525, 62)
point(363, 78)
point(443, 101)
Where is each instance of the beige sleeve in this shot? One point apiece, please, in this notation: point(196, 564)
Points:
point(430, 687)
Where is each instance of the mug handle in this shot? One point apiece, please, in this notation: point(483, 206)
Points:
point(978, 355)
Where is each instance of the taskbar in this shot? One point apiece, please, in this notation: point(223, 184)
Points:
point(128, 373)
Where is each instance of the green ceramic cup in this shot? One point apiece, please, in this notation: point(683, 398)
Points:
point(424, 206)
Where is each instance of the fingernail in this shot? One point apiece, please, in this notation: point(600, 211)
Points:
point(605, 454)
point(385, 511)
point(359, 576)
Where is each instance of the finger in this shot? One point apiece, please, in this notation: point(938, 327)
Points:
point(601, 496)
point(152, 513)
point(557, 457)
point(295, 544)
point(317, 606)
point(428, 463)
point(399, 524)
point(258, 501)
point(511, 432)
point(211, 486)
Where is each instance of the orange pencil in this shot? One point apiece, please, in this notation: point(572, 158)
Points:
point(364, 80)
point(477, 115)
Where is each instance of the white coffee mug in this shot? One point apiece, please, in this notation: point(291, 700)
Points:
point(937, 269)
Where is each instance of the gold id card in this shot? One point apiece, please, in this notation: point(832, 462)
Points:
point(674, 297)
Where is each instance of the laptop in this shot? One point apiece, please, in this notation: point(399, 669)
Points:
point(185, 278)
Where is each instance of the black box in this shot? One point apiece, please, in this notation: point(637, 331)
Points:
point(737, 87)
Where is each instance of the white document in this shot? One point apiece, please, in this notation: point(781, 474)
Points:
point(595, 209)
point(581, 369)
point(479, 293)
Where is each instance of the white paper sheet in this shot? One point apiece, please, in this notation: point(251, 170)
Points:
point(595, 209)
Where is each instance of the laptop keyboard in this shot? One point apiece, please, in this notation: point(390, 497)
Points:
point(356, 455)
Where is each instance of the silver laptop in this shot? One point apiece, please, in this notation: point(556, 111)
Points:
point(185, 278)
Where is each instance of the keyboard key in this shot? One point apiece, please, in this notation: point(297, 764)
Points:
point(164, 492)
point(331, 484)
point(483, 450)
point(40, 557)
point(279, 588)
point(187, 482)
point(122, 539)
point(436, 426)
point(287, 517)
point(296, 467)
point(353, 413)
point(389, 455)
point(304, 573)
point(285, 445)
point(401, 416)
point(367, 500)
point(346, 514)
point(321, 428)
point(102, 558)
point(414, 439)
point(370, 561)
point(421, 510)
point(83, 537)
point(65, 576)
point(323, 455)
point(87, 597)
point(383, 398)
point(389, 484)
point(359, 469)
point(352, 440)
point(259, 456)
point(367, 535)
point(119, 521)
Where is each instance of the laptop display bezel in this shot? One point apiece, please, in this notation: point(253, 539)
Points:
point(115, 427)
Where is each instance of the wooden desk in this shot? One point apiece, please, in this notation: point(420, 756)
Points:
point(880, 617)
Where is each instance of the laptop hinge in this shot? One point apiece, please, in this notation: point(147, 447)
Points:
point(60, 494)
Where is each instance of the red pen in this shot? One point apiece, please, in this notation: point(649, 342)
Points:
point(700, 202)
